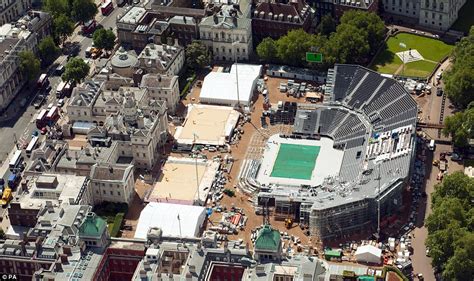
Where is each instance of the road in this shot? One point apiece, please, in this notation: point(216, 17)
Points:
point(432, 109)
point(22, 122)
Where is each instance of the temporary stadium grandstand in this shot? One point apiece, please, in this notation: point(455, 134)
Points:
point(371, 119)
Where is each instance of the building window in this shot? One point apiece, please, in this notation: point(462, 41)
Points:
point(440, 17)
point(427, 3)
point(118, 193)
point(111, 192)
point(104, 191)
point(441, 6)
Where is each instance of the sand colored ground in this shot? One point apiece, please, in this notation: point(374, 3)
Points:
point(208, 124)
point(178, 182)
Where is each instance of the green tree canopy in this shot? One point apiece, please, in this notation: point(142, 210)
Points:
point(348, 45)
point(369, 22)
point(197, 55)
point(29, 65)
point(327, 25)
point(57, 7)
point(76, 70)
point(48, 50)
point(460, 127)
point(292, 48)
point(104, 39)
point(450, 227)
point(459, 80)
point(267, 50)
point(83, 10)
point(63, 27)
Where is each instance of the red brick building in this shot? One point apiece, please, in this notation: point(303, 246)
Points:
point(277, 18)
point(120, 261)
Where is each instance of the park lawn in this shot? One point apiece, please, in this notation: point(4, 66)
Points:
point(386, 62)
point(465, 19)
point(431, 49)
point(419, 68)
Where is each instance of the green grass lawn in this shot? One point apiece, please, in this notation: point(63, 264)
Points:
point(431, 49)
point(465, 18)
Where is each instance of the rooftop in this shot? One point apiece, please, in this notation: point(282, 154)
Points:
point(93, 226)
point(268, 239)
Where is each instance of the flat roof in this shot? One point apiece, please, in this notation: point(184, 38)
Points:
point(208, 124)
point(177, 183)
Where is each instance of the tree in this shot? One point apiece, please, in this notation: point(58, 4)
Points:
point(450, 227)
point(197, 55)
point(327, 25)
point(63, 27)
point(76, 70)
point(2, 234)
point(104, 39)
point(459, 80)
point(83, 10)
point(460, 127)
point(369, 22)
point(56, 7)
point(29, 65)
point(48, 50)
point(292, 48)
point(267, 50)
point(347, 45)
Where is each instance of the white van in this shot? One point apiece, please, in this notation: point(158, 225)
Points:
point(431, 146)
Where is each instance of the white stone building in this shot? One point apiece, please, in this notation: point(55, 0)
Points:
point(112, 183)
point(162, 88)
point(228, 34)
point(10, 10)
point(432, 14)
point(161, 59)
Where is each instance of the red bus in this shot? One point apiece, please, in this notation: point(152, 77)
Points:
point(89, 27)
point(41, 119)
point(42, 81)
point(53, 115)
point(106, 7)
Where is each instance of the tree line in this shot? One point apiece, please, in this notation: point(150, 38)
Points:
point(459, 87)
point(450, 227)
point(354, 40)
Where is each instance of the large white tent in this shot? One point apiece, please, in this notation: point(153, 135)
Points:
point(369, 254)
point(221, 87)
point(175, 220)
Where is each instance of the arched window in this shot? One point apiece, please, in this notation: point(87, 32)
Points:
point(427, 3)
point(441, 6)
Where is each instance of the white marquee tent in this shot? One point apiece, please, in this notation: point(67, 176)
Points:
point(221, 88)
point(369, 254)
point(175, 220)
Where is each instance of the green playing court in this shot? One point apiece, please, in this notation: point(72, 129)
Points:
point(295, 161)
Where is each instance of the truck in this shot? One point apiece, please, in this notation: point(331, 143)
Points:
point(106, 7)
point(89, 27)
point(6, 196)
point(13, 180)
point(442, 166)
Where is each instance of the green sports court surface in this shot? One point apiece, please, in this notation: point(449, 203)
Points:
point(295, 161)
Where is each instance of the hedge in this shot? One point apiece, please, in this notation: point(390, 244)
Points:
point(393, 269)
point(188, 85)
point(117, 224)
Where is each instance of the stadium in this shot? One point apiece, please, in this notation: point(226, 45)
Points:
point(343, 160)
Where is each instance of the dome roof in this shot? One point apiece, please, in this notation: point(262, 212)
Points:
point(123, 59)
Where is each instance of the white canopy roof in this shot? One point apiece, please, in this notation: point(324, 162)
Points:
point(174, 219)
point(368, 253)
point(221, 87)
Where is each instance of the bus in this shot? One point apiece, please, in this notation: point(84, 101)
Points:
point(42, 81)
point(31, 145)
point(41, 119)
point(89, 27)
point(106, 7)
point(60, 89)
point(53, 115)
point(16, 160)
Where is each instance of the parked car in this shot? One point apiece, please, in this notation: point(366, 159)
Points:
point(439, 92)
point(60, 103)
point(456, 157)
point(59, 70)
